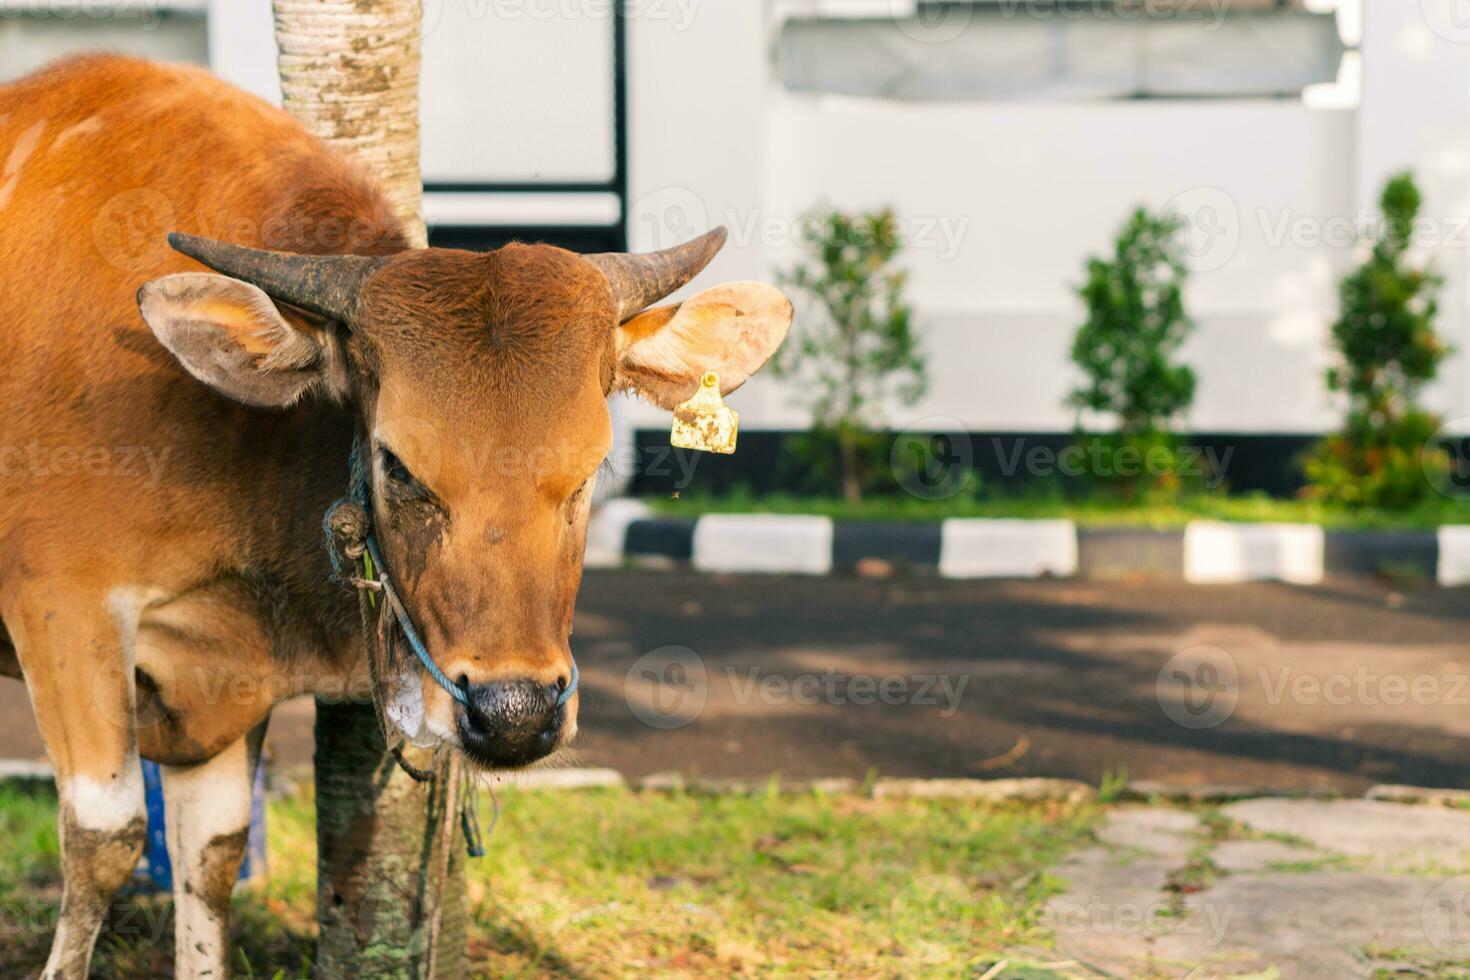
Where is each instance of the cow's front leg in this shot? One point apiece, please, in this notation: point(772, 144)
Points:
point(208, 829)
point(76, 653)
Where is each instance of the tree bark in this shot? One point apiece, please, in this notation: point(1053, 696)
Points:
point(390, 889)
point(350, 74)
point(847, 450)
point(390, 857)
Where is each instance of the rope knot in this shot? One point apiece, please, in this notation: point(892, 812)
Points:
point(347, 526)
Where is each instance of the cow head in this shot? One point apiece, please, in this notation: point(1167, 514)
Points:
point(481, 382)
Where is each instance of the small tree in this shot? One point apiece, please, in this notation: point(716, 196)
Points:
point(1388, 351)
point(390, 865)
point(1135, 325)
point(857, 350)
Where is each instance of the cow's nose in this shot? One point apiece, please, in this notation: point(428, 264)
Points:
point(509, 723)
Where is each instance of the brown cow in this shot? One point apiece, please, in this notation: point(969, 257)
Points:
point(163, 580)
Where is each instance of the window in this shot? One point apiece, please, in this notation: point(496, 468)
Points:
point(1062, 49)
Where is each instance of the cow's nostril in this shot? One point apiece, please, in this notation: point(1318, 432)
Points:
point(510, 723)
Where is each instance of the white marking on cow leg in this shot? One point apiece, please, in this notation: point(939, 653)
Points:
point(87, 722)
point(208, 824)
point(103, 830)
point(105, 805)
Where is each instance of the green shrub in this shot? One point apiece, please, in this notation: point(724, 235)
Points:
point(1136, 324)
point(822, 461)
point(927, 465)
point(854, 348)
point(1388, 350)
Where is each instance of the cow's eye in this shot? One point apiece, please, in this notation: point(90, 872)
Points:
point(394, 469)
point(574, 502)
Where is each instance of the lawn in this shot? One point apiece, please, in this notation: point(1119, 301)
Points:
point(623, 883)
point(1093, 511)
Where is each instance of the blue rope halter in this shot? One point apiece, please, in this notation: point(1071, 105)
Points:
point(375, 570)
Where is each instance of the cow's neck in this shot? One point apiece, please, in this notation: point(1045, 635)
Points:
point(303, 469)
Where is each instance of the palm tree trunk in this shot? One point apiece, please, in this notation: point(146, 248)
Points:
point(390, 866)
point(350, 74)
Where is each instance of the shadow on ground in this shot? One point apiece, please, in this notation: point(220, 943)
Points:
point(1059, 679)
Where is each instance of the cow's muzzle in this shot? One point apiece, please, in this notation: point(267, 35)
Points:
point(508, 724)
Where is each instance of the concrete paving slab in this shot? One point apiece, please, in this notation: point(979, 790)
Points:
point(1241, 856)
point(1389, 835)
point(1274, 908)
point(1159, 831)
point(1116, 903)
point(1307, 925)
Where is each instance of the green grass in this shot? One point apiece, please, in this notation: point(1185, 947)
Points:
point(1090, 511)
point(1331, 862)
point(618, 883)
point(1415, 963)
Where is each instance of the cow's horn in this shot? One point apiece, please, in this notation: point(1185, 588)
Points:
point(325, 284)
point(639, 281)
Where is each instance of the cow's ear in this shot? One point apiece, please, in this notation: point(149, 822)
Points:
point(230, 335)
point(731, 330)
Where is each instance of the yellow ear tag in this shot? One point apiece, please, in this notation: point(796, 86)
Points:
point(705, 422)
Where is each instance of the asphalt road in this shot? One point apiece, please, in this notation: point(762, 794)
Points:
point(1340, 686)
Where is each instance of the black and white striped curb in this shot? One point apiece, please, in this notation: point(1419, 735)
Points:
point(1205, 552)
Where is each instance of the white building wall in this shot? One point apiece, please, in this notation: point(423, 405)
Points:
point(242, 47)
point(1009, 200)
